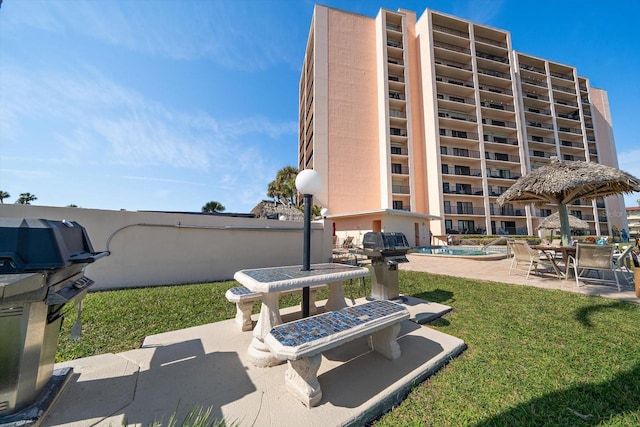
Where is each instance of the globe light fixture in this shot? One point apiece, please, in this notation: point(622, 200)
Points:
point(308, 182)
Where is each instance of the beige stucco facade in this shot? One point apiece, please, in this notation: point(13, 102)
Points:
point(438, 116)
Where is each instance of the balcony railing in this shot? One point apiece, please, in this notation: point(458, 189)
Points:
point(502, 157)
point(394, 27)
point(397, 132)
point(495, 89)
point(565, 102)
point(543, 154)
point(569, 130)
point(497, 106)
point(457, 116)
point(400, 170)
point(500, 123)
point(468, 83)
point(494, 73)
point(462, 172)
point(491, 57)
point(402, 151)
point(454, 98)
point(400, 189)
point(540, 83)
point(539, 96)
point(451, 47)
point(506, 211)
point(394, 43)
point(541, 140)
point(542, 111)
point(453, 64)
point(398, 113)
point(396, 78)
point(502, 174)
point(458, 134)
point(572, 116)
point(532, 68)
point(450, 31)
point(500, 139)
point(395, 61)
point(531, 123)
point(572, 144)
point(562, 76)
point(564, 89)
point(490, 41)
point(459, 152)
point(463, 210)
point(473, 191)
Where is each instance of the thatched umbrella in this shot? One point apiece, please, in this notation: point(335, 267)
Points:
point(562, 182)
point(552, 222)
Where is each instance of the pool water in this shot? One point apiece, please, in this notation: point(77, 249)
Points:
point(448, 251)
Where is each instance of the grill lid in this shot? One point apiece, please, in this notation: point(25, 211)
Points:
point(378, 243)
point(28, 245)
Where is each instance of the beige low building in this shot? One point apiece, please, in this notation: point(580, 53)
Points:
point(437, 116)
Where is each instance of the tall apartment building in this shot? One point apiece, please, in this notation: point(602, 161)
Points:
point(420, 124)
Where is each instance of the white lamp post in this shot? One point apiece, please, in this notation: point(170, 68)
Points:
point(308, 182)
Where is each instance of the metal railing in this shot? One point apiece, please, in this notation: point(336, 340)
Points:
point(500, 139)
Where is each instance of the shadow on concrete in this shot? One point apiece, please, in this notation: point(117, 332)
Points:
point(180, 377)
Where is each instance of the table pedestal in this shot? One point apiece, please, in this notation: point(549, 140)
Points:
point(258, 353)
point(336, 297)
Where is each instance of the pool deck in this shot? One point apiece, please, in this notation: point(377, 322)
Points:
point(498, 271)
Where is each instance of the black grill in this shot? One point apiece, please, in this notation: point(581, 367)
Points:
point(41, 269)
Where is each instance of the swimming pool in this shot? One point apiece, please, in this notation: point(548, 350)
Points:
point(459, 252)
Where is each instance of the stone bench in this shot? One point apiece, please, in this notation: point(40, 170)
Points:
point(302, 342)
point(244, 298)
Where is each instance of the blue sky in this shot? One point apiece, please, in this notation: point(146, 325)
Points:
point(166, 105)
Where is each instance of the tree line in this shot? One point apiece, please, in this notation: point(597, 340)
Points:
point(24, 199)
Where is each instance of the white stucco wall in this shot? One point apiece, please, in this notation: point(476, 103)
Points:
point(149, 248)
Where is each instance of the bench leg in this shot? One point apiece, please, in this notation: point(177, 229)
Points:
point(243, 315)
point(384, 342)
point(301, 379)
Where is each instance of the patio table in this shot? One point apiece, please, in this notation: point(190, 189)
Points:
point(566, 252)
point(273, 280)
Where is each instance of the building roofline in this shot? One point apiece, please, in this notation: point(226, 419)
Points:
point(385, 212)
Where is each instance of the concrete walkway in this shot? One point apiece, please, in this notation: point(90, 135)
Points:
point(498, 271)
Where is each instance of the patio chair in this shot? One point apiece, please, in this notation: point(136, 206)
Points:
point(348, 242)
point(523, 253)
point(622, 264)
point(593, 257)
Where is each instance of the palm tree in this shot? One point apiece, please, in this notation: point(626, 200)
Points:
point(213, 206)
point(283, 188)
point(26, 199)
point(5, 195)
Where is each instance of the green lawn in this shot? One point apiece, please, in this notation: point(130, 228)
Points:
point(534, 356)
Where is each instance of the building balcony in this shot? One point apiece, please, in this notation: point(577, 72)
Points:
point(533, 69)
point(459, 134)
point(540, 125)
point(563, 89)
point(503, 157)
point(563, 76)
point(394, 27)
point(453, 64)
point(400, 189)
point(397, 95)
point(534, 110)
point(457, 116)
point(495, 89)
point(507, 211)
point(537, 96)
point(540, 83)
point(463, 210)
point(398, 132)
point(497, 106)
point(569, 130)
point(502, 174)
point(394, 43)
point(541, 140)
point(399, 170)
point(468, 191)
point(565, 102)
point(500, 139)
point(491, 42)
point(443, 79)
point(500, 123)
point(399, 151)
point(453, 98)
point(448, 30)
point(451, 47)
point(461, 171)
point(459, 152)
point(485, 55)
point(493, 73)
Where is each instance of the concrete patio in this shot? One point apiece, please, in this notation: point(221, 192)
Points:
point(206, 367)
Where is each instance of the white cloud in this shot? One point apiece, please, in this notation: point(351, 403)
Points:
point(184, 30)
